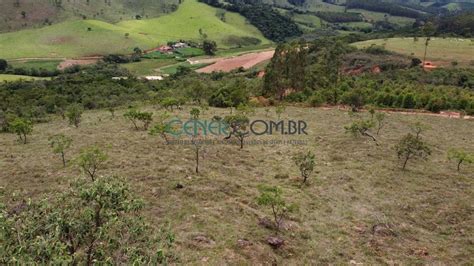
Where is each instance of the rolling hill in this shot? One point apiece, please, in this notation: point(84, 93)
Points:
point(93, 37)
point(21, 14)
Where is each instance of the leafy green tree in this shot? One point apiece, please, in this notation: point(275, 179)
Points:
point(209, 47)
point(90, 160)
point(354, 98)
point(98, 222)
point(60, 143)
point(136, 116)
point(412, 146)
point(460, 156)
point(169, 103)
point(195, 113)
point(161, 128)
point(237, 125)
point(361, 128)
point(74, 114)
point(3, 65)
point(273, 196)
point(22, 127)
point(305, 163)
point(233, 94)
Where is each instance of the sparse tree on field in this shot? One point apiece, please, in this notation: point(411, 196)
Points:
point(272, 196)
point(91, 160)
point(169, 103)
point(305, 163)
point(60, 143)
point(460, 156)
point(22, 127)
point(197, 140)
point(412, 146)
point(380, 118)
point(161, 127)
point(74, 114)
point(237, 125)
point(361, 128)
point(417, 128)
point(195, 113)
point(428, 30)
point(279, 110)
point(136, 116)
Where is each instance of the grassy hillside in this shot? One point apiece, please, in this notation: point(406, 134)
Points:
point(441, 51)
point(6, 77)
point(74, 39)
point(42, 12)
point(359, 206)
point(379, 16)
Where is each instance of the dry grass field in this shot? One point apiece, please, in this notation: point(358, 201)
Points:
point(359, 206)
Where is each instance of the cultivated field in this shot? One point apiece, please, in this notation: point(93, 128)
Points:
point(442, 51)
point(80, 38)
point(359, 206)
point(227, 64)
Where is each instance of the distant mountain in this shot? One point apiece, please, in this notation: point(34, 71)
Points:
point(21, 14)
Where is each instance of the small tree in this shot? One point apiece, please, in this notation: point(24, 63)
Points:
point(305, 163)
point(272, 196)
point(3, 65)
point(135, 116)
point(197, 142)
point(412, 146)
point(195, 113)
point(91, 160)
point(354, 98)
point(169, 103)
point(279, 110)
point(209, 47)
point(161, 128)
point(22, 127)
point(60, 143)
point(380, 118)
point(460, 156)
point(361, 128)
point(74, 114)
point(238, 124)
point(98, 222)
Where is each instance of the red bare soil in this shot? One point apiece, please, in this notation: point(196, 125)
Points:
point(81, 62)
point(246, 61)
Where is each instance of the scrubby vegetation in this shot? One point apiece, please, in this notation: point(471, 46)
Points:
point(186, 145)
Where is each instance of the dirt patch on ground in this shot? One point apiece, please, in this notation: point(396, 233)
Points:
point(61, 40)
point(81, 62)
point(246, 61)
